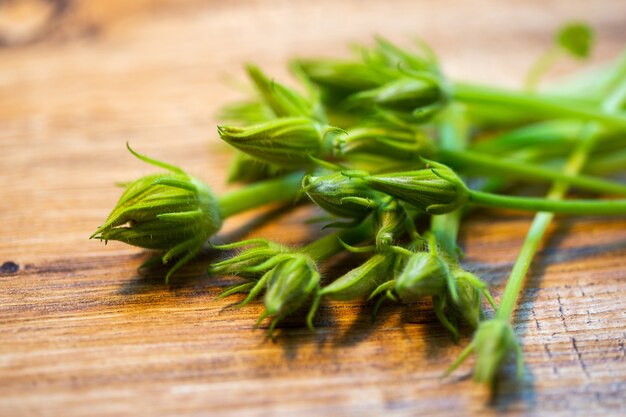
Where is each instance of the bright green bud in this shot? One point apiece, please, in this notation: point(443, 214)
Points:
point(576, 38)
point(390, 222)
point(289, 284)
point(287, 142)
point(339, 79)
point(403, 95)
point(340, 195)
point(172, 212)
point(244, 168)
point(470, 290)
point(392, 143)
point(424, 274)
point(437, 190)
point(362, 280)
point(284, 101)
point(259, 252)
point(493, 341)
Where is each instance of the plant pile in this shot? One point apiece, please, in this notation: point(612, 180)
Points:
point(397, 155)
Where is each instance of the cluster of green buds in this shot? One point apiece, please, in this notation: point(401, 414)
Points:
point(376, 142)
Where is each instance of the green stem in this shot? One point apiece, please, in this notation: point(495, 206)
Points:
point(453, 135)
point(281, 189)
point(535, 105)
point(576, 207)
point(541, 66)
point(330, 245)
point(541, 221)
point(511, 169)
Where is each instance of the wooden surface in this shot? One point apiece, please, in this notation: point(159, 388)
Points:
point(82, 333)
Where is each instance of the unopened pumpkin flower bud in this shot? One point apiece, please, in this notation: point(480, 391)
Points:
point(405, 95)
point(435, 190)
point(383, 141)
point(362, 280)
point(171, 211)
point(289, 284)
point(493, 341)
point(424, 274)
point(471, 290)
point(340, 195)
point(390, 222)
point(287, 142)
point(259, 252)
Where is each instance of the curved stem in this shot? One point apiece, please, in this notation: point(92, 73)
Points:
point(330, 245)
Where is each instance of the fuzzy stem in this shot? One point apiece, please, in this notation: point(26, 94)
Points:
point(281, 189)
point(541, 66)
point(511, 169)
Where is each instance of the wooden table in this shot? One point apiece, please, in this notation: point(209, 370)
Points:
point(83, 333)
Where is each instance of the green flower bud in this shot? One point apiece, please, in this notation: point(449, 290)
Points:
point(424, 274)
point(470, 290)
point(244, 168)
point(362, 280)
point(172, 212)
point(408, 95)
point(287, 142)
point(341, 196)
point(436, 191)
point(260, 251)
point(339, 79)
point(289, 284)
point(493, 341)
point(390, 222)
point(392, 143)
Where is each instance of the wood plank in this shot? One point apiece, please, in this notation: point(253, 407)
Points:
point(83, 333)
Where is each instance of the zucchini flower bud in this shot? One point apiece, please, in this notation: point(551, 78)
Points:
point(340, 195)
point(393, 143)
point(289, 285)
point(287, 142)
point(493, 341)
point(410, 95)
point(436, 190)
point(171, 212)
point(390, 222)
point(424, 273)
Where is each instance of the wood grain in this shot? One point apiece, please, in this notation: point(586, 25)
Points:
point(82, 333)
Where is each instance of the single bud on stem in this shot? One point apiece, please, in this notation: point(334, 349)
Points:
point(287, 142)
point(176, 213)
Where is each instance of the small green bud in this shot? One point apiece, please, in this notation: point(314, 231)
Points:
point(340, 195)
point(403, 95)
point(289, 284)
point(424, 274)
point(390, 222)
point(172, 212)
point(437, 190)
point(493, 341)
point(259, 252)
point(576, 38)
point(287, 142)
point(362, 280)
point(246, 169)
point(470, 290)
point(392, 143)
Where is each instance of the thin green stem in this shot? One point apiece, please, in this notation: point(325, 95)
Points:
point(576, 207)
point(535, 105)
point(281, 189)
point(541, 66)
point(540, 223)
point(493, 166)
